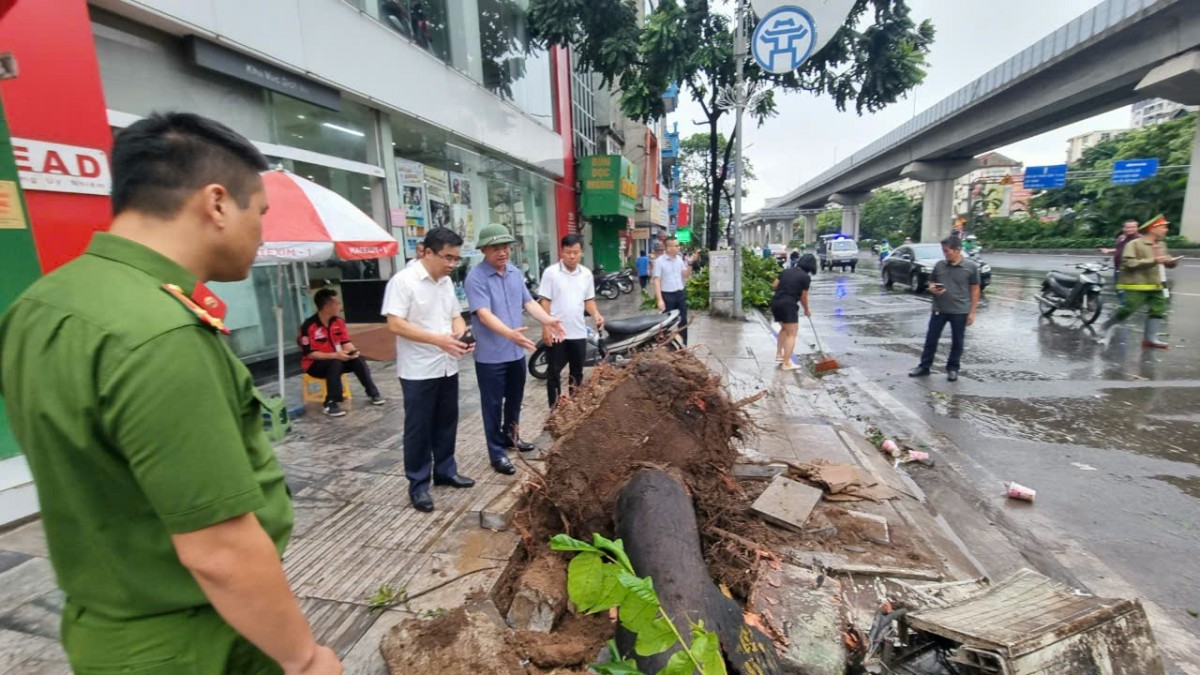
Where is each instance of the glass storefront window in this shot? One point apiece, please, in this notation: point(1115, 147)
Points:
point(347, 134)
point(422, 21)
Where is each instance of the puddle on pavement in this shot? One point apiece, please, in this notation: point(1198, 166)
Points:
point(1122, 419)
point(995, 375)
point(1190, 485)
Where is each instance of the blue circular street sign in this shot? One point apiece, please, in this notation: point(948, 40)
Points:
point(784, 39)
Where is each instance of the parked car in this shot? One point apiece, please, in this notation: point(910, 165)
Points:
point(912, 264)
point(837, 250)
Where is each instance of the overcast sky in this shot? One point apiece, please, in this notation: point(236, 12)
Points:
point(973, 36)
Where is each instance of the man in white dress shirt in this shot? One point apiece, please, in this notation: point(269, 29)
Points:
point(424, 314)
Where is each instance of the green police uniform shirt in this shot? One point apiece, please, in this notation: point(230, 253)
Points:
point(138, 422)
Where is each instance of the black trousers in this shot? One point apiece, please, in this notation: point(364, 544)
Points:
point(501, 392)
point(678, 300)
point(572, 352)
point(643, 280)
point(430, 430)
point(958, 335)
point(331, 371)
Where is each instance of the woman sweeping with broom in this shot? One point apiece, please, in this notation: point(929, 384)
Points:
point(791, 292)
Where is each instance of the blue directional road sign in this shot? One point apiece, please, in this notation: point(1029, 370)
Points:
point(784, 39)
point(1130, 171)
point(1045, 177)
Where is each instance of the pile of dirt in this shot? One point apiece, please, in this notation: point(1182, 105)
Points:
point(662, 410)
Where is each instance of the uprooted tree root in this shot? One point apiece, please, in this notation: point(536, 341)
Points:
point(662, 410)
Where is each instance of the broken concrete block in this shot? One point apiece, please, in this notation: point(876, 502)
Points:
point(758, 470)
point(541, 595)
point(806, 615)
point(787, 503)
point(873, 528)
point(465, 641)
point(497, 515)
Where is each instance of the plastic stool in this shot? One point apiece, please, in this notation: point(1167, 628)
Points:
point(316, 389)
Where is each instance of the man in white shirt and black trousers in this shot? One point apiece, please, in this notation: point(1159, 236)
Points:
point(424, 314)
point(567, 290)
point(670, 273)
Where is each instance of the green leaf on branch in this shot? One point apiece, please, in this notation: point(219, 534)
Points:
point(656, 638)
point(593, 585)
point(614, 548)
point(616, 665)
point(706, 648)
point(643, 588)
point(679, 664)
point(636, 614)
point(563, 542)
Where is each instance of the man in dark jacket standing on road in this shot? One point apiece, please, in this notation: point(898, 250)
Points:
point(955, 288)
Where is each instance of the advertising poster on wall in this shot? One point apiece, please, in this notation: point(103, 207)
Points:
point(438, 183)
point(460, 187)
point(411, 176)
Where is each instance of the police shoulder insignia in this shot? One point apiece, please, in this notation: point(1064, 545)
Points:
point(205, 317)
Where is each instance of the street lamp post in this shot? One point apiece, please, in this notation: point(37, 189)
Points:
point(739, 101)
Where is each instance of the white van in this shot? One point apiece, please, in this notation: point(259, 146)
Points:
point(837, 251)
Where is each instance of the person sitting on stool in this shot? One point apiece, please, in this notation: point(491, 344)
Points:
point(328, 352)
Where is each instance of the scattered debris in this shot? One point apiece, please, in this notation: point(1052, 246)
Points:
point(787, 503)
point(1029, 623)
point(1083, 467)
point(806, 612)
point(466, 641)
point(875, 528)
point(541, 595)
point(1018, 491)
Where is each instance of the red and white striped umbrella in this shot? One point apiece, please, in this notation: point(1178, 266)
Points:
point(310, 223)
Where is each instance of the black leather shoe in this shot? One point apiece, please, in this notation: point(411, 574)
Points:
point(455, 481)
point(918, 372)
point(421, 501)
point(504, 466)
point(952, 375)
point(525, 446)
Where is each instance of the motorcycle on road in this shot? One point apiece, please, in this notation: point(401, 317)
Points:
point(1075, 293)
point(619, 341)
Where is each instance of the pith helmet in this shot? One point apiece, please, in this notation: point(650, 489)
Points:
point(494, 234)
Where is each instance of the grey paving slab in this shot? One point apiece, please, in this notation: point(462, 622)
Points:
point(29, 539)
point(787, 503)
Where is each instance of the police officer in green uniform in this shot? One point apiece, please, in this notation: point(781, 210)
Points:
point(165, 510)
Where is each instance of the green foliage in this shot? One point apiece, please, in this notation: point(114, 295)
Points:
point(1093, 206)
point(758, 275)
point(873, 60)
point(387, 597)
point(601, 577)
point(1085, 243)
point(697, 290)
point(889, 214)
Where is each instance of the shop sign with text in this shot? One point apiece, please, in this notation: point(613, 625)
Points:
point(55, 167)
point(609, 185)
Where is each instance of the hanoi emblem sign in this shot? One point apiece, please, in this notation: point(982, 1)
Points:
point(784, 39)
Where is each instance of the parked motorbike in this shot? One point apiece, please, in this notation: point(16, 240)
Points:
point(619, 341)
point(1076, 293)
point(624, 281)
point(606, 283)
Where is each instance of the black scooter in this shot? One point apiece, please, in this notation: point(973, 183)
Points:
point(1076, 293)
point(619, 341)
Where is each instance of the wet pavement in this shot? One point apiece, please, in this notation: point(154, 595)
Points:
point(1107, 434)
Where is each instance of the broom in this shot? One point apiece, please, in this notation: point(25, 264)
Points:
point(826, 363)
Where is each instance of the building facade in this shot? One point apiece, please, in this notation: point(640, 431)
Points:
point(1153, 111)
point(1076, 145)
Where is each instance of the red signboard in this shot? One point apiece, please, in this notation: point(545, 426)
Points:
point(59, 124)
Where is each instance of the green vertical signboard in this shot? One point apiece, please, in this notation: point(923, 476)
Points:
point(609, 186)
point(18, 256)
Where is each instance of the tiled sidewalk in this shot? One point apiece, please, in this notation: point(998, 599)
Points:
point(355, 531)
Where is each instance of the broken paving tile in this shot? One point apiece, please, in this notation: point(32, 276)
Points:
point(873, 528)
point(787, 503)
point(805, 610)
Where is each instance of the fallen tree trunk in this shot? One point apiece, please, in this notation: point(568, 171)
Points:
point(657, 523)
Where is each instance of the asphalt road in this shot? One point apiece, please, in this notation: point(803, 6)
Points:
point(1106, 434)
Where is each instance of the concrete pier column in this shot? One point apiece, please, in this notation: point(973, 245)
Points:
point(1179, 80)
point(852, 211)
point(810, 228)
point(937, 212)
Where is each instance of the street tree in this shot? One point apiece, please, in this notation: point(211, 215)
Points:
point(867, 64)
point(888, 214)
point(696, 173)
point(1090, 205)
